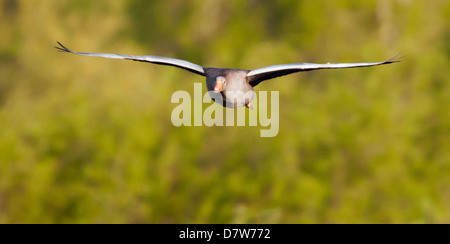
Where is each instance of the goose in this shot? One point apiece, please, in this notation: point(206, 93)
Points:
point(235, 86)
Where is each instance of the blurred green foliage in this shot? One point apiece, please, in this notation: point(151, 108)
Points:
point(87, 140)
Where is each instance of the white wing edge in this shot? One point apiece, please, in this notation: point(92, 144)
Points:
point(152, 59)
point(312, 66)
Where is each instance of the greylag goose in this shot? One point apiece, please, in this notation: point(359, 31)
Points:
point(234, 85)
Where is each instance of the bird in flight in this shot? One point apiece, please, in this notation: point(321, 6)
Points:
point(232, 87)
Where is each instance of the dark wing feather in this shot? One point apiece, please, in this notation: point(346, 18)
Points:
point(258, 75)
point(197, 69)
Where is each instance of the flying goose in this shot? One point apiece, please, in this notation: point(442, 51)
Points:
point(234, 85)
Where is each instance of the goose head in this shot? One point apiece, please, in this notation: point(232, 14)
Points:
point(221, 82)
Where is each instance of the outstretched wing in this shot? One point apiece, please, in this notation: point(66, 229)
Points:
point(149, 59)
point(258, 75)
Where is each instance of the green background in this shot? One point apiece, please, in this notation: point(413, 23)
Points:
point(88, 140)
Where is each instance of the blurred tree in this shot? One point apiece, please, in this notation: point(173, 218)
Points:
point(90, 140)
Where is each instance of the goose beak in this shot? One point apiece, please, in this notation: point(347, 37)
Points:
point(218, 87)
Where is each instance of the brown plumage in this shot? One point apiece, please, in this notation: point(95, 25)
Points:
point(232, 87)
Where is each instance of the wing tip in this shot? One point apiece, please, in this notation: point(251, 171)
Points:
point(62, 48)
point(396, 59)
